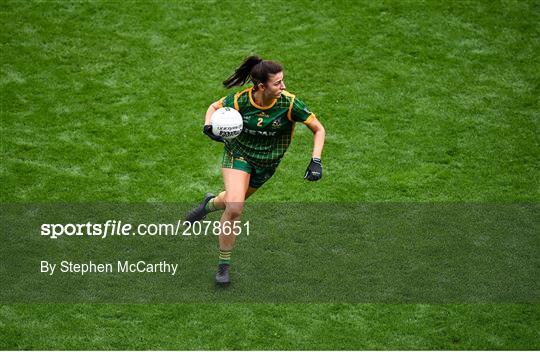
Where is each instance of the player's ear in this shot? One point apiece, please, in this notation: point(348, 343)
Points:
point(260, 86)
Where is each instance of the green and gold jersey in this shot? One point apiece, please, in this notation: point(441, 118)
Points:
point(268, 129)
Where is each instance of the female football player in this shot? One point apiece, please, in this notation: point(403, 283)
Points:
point(269, 113)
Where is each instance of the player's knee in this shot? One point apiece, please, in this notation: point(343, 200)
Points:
point(234, 209)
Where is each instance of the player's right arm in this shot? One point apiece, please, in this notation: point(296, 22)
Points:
point(207, 129)
point(212, 109)
point(228, 101)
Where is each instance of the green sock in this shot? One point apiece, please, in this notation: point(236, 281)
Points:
point(210, 207)
point(224, 257)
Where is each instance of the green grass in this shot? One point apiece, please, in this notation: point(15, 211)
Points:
point(256, 326)
point(422, 102)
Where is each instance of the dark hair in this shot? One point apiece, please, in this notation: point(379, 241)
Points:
point(254, 68)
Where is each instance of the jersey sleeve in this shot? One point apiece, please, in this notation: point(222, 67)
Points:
point(227, 101)
point(300, 112)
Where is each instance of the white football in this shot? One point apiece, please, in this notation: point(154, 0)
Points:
point(227, 123)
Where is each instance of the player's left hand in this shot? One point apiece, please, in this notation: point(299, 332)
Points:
point(314, 170)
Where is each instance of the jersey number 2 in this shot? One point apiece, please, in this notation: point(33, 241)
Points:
point(259, 124)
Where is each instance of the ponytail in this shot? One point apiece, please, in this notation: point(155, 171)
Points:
point(255, 69)
point(242, 73)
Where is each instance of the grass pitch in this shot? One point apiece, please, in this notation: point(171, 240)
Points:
point(422, 102)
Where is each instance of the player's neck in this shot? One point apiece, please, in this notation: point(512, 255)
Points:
point(261, 100)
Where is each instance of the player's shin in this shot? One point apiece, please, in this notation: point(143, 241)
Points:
point(227, 238)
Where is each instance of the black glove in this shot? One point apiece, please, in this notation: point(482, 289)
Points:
point(314, 170)
point(207, 130)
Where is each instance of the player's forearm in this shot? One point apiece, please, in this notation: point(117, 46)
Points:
point(318, 143)
point(208, 117)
